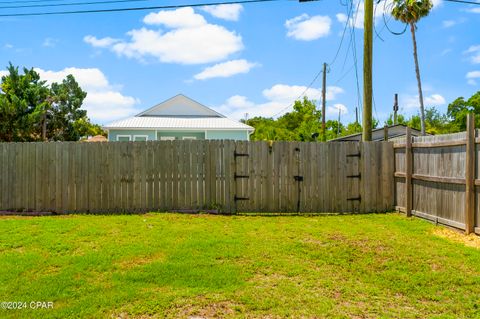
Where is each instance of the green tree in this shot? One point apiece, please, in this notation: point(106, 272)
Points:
point(400, 119)
point(30, 110)
point(410, 12)
point(352, 128)
point(68, 122)
point(298, 125)
point(457, 112)
point(22, 102)
point(303, 121)
point(334, 129)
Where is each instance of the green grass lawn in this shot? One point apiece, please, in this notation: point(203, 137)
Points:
point(169, 265)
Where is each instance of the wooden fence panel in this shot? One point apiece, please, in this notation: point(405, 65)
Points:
point(197, 175)
point(439, 179)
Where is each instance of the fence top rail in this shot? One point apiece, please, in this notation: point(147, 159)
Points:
point(103, 143)
point(436, 144)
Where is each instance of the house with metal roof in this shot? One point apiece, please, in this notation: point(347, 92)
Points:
point(178, 118)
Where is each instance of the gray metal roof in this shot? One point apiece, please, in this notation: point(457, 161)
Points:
point(394, 131)
point(176, 123)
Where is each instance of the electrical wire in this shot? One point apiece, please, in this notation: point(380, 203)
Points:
point(68, 4)
point(349, 16)
point(464, 1)
point(385, 22)
point(300, 96)
point(176, 6)
point(355, 60)
point(377, 34)
point(28, 1)
point(321, 71)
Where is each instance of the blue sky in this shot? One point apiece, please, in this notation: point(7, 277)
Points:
point(255, 58)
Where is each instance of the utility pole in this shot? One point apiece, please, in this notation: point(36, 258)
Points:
point(395, 109)
point(356, 115)
point(367, 71)
point(324, 94)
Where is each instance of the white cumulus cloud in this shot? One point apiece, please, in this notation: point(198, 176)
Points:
point(190, 39)
point(100, 43)
point(180, 18)
point(308, 28)
point(411, 101)
point(472, 77)
point(225, 69)
point(229, 12)
point(448, 23)
point(474, 10)
point(49, 42)
point(474, 53)
point(335, 109)
point(277, 99)
point(104, 101)
point(435, 100)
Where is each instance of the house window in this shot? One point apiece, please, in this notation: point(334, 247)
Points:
point(189, 137)
point(123, 138)
point(167, 138)
point(140, 138)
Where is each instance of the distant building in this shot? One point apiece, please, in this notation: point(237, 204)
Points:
point(179, 118)
point(394, 132)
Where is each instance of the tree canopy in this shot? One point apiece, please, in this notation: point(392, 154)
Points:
point(304, 121)
point(32, 110)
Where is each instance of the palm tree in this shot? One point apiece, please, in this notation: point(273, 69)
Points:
point(410, 12)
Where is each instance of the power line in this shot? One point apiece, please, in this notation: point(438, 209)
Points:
point(344, 74)
point(355, 61)
point(68, 4)
point(300, 96)
point(321, 71)
point(465, 1)
point(177, 6)
point(28, 1)
point(349, 15)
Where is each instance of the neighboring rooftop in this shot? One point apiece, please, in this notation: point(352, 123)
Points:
point(179, 113)
point(156, 122)
point(180, 106)
point(394, 131)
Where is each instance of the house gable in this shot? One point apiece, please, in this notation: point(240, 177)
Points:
point(180, 106)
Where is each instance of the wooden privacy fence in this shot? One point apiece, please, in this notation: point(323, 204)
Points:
point(437, 178)
point(226, 176)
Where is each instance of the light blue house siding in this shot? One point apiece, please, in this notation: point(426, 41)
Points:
point(115, 135)
point(179, 135)
point(228, 135)
point(152, 135)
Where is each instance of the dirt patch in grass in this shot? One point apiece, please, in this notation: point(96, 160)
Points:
point(471, 240)
point(203, 308)
point(139, 261)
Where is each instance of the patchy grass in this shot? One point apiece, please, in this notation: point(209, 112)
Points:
point(167, 265)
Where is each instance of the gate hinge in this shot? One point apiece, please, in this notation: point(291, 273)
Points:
point(241, 176)
point(236, 198)
point(359, 198)
point(298, 178)
point(354, 155)
point(235, 154)
point(354, 176)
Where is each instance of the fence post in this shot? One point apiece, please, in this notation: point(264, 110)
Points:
point(408, 172)
point(470, 175)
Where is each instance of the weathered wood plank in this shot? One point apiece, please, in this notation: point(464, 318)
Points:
point(408, 172)
point(470, 176)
